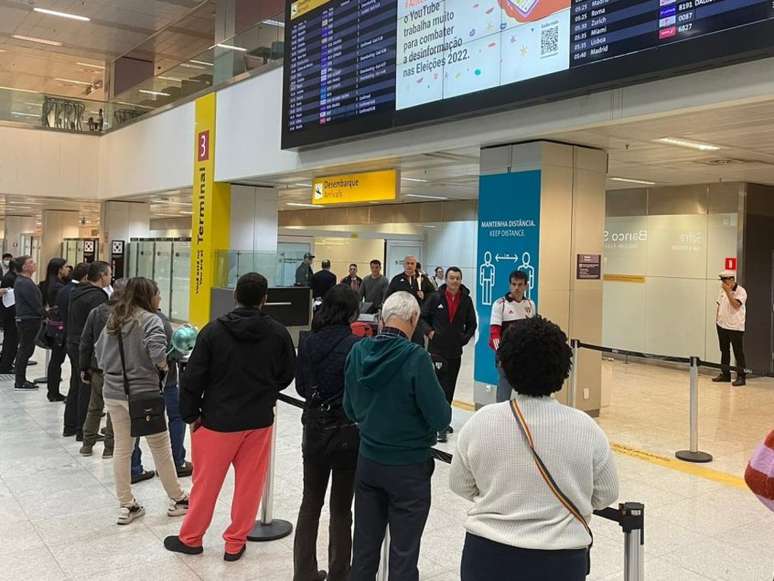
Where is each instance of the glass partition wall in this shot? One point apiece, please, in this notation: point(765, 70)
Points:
point(167, 261)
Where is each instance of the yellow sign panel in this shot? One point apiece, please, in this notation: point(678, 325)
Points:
point(211, 208)
point(372, 186)
point(301, 7)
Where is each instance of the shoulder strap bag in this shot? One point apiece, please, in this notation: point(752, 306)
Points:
point(329, 435)
point(549, 480)
point(146, 411)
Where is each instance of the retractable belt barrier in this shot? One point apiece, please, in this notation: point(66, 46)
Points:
point(693, 454)
point(629, 515)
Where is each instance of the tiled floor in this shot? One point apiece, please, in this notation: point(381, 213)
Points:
point(57, 509)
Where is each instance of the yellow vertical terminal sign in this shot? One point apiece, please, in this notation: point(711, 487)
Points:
point(211, 213)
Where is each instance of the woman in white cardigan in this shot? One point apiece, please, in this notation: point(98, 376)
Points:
point(529, 520)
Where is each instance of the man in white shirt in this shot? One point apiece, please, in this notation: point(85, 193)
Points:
point(514, 306)
point(730, 319)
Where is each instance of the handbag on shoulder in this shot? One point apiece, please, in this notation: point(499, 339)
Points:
point(146, 411)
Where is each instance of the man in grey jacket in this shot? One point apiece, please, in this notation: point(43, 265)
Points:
point(29, 315)
point(374, 287)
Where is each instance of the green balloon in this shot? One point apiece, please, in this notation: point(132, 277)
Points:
point(184, 338)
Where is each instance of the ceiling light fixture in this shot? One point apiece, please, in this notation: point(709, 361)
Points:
point(173, 79)
point(62, 14)
point(190, 66)
point(73, 82)
point(414, 180)
point(303, 185)
point(155, 93)
point(300, 205)
point(229, 47)
point(91, 66)
point(633, 181)
point(688, 143)
point(272, 22)
point(428, 197)
point(21, 114)
point(205, 63)
point(38, 40)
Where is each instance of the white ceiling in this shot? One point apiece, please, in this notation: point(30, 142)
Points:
point(116, 27)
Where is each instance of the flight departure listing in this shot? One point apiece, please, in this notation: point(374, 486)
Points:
point(342, 60)
point(350, 59)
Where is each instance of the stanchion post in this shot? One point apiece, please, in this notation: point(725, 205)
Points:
point(633, 524)
point(572, 389)
point(268, 528)
point(693, 454)
point(384, 558)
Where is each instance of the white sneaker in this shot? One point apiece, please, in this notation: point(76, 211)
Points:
point(127, 514)
point(178, 507)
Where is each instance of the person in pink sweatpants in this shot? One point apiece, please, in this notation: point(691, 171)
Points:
point(228, 393)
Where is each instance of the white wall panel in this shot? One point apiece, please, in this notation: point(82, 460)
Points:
point(46, 163)
point(149, 156)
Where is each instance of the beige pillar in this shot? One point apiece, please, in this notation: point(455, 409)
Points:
point(57, 225)
point(572, 214)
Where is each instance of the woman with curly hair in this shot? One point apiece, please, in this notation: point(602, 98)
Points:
point(535, 468)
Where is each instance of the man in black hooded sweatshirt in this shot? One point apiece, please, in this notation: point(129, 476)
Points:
point(86, 296)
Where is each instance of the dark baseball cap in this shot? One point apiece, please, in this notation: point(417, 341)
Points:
point(308, 255)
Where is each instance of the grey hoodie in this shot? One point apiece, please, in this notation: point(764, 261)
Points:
point(145, 348)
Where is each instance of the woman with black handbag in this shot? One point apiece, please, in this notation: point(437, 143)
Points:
point(132, 352)
point(56, 278)
point(330, 441)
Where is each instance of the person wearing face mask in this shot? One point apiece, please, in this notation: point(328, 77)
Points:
point(56, 279)
point(7, 258)
point(514, 306)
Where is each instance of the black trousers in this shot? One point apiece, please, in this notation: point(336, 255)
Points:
point(447, 376)
point(316, 476)
point(728, 339)
point(10, 344)
point(54, 372)
point(28, 330)
point(398, 496)
point(485, 560)
point(78, 395)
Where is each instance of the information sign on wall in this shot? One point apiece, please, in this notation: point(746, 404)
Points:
point(730, 263)
point(117, 258)
point(589, 267)
point(372, 186)
point(508, 240)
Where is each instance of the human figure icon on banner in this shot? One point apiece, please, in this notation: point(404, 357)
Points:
point(486, 279)
point(529, 270)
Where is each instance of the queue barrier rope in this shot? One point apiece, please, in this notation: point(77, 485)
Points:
point(630, 516)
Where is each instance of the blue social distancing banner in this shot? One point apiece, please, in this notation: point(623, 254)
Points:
point(508, 240)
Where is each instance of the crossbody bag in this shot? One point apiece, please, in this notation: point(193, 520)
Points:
point(328, 432)
point(146, 411)
point(549, 480)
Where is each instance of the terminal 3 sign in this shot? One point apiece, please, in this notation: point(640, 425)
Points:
point(372, 186)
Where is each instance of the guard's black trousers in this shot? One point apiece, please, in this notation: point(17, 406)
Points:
point(727, 340)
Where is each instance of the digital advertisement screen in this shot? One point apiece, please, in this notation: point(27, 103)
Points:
point(354, 67)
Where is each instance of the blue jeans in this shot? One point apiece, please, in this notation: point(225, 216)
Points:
point(504, 389)
point(175, 424)
point(176, 428)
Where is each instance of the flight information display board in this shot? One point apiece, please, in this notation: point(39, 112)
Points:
point(358, 66)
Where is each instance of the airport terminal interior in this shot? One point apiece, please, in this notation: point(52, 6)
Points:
point(617, 158)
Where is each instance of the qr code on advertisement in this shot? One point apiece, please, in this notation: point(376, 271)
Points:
point(549, 40)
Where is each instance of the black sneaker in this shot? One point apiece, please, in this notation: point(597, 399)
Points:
point(174, 544)
point(69, 433)
point(450, 430)
point(442, 437)
point(26, 386)
point(231, 557)
point(79, 436)
point(722, 379)
point(144, 475)
point(56, 398)
point(740, 381)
